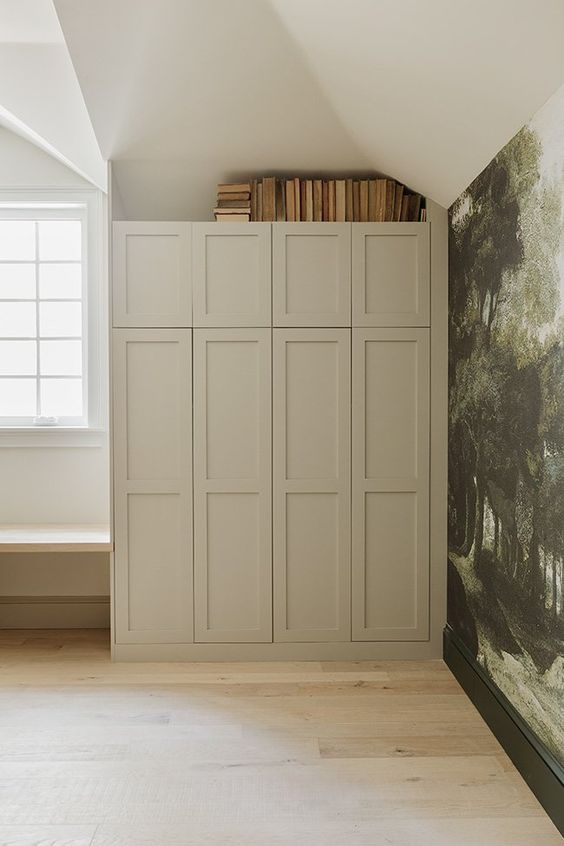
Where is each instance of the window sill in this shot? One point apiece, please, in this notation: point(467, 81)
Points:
point(52, 436)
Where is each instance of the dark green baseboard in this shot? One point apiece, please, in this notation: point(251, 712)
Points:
point(539, 768)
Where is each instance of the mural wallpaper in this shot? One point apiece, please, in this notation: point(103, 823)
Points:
point(506, 446)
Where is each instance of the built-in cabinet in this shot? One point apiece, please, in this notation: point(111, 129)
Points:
point(232, 485)
point(271, 429)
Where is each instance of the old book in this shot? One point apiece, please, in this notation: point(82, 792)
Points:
point(237, 209)
point(233, 187)
point(236, 195)
point(325, 200)
point(259, 199)
point(232, 218)
point(372, 201)
point(280, 200)
point(349, 200)
point(356, 201)
point(331, 200)
point(423, 215)
point(269, 198)
point(390, 199)
point(380, 200)
point(405, 207)
point(309, 200)
point(317, 200)
point(363, 200)
point(234, 204)
point(340, 200)
point(253, 199)
point(297, 199)
point(290, 204)
point(414, 207)
point(302, 199)
point(398, 201)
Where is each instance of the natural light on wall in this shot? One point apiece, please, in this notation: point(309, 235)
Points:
point(43, 316)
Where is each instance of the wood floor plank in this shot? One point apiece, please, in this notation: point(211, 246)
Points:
point(250, 754)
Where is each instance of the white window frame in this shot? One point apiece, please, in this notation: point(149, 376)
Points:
point(90, 430)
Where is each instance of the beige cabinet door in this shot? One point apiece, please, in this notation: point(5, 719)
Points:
point(152, 425)
point(232, 274)
point(390, 525)
point(390, 274)
point(151, 274)
point(232, 485)
point(311, 274)
point(311, 483)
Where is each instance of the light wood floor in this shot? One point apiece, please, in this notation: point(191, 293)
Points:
point(293, 754)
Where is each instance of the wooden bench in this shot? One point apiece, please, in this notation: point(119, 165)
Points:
point(52, 537)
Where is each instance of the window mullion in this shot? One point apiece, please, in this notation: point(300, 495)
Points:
point(37, 327)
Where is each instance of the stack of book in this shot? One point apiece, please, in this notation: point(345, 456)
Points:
point(370, 200)
point(233, 202)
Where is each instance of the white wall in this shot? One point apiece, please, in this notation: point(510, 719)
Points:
point(50, 484)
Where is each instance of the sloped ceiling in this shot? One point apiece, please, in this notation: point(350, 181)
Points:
point(185, 93)
point(40, 98)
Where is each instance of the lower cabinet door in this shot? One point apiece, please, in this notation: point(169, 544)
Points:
point(152, 418)
point(232, 485)
point(390, 579)
point(311, 483)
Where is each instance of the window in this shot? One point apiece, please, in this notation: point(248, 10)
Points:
point(43, 315)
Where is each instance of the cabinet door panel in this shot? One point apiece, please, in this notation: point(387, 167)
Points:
point(151, 274)
point(391, 272)
point(232, 274)
point(390, 484)
point(232, 485)
point(152, 490)
point(311, 274)
point(312, 484)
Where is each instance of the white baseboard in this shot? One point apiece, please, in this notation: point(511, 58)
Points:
point(54, 612)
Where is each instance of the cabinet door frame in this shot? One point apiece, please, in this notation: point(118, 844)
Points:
point(282, 486)
point(420, 317)
point(281, 316)
point(363, 486)
point(120, 316)
point(263, 316)
point(124, 487)
point(262, 485)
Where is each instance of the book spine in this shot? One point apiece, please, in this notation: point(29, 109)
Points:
point(372, 201)
point(398, 201)
point(356, 201)
point(297, 200)
point(325, 200)
point(405, 208)
point(309, 200)
point(269, 198)
point(290, 204)
point(331, 196)
point(259, 200)
point(317, 200)
point(363, 200)
point(340, 200)
point(254, 199)
point(349, 213)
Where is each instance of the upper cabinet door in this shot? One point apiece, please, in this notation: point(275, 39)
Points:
point(151, 274)
point(391, 273)
point(311, 274)
point(232, 274)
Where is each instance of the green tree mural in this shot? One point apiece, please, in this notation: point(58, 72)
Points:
point(506, 440)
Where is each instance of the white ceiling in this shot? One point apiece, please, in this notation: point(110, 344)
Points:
point(40, 98)
point(184, 93)
point(29, 22)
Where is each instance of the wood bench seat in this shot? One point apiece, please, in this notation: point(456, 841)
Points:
point(55, 537)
